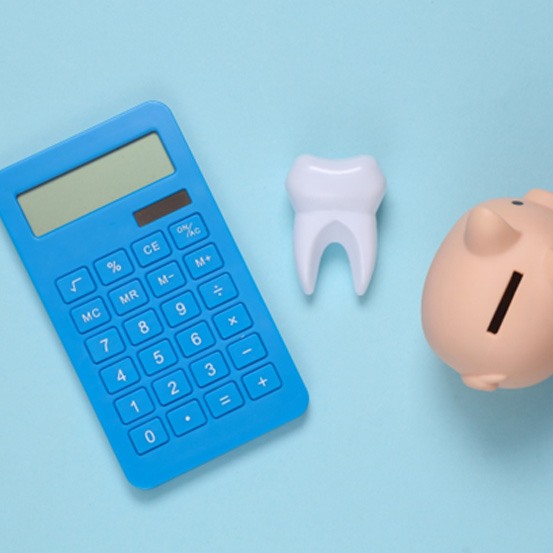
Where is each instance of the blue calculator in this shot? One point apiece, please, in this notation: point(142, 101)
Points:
point(149, 294)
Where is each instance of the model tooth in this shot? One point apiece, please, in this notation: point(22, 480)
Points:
point(335, 202)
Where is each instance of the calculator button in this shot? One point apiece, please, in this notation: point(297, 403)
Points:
point(247, 351)
point(135, 405)
point(261, 382)
point(90, 315)
point(128, 297)
point(166, 279)
point(186, 418)
point(142, 328)
point(157, 357)
point(232, 321)
point(224, 400)
point(105, 345)
point(195, 339)
point(180, 309)
point(188, 231)
point(148, 436)
point(172, 387)
point(113, 267)
point(75, 285)
point(204, 261)
point(218, 291)
point(151, 249)
point(209, 369)
point(118, 376)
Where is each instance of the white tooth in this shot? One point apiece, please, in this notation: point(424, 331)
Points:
point(335, 202)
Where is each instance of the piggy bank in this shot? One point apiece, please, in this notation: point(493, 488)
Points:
point(487, 306)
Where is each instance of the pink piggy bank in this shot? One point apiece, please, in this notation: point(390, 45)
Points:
point(487, 306)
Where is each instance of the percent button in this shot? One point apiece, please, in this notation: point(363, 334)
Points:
point(113, 267)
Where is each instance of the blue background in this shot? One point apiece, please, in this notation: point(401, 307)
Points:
point(455, 100)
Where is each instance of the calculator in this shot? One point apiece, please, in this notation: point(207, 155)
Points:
point(149, 294)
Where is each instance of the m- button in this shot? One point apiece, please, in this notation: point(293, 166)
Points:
point(151, 249)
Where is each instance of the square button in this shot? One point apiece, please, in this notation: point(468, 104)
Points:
point(151, 249)
point(186, 418)
point(232, 321)
point(75, 285)
point(113, 267)
point(224, 400)
point(148, 436)
point(261, 382)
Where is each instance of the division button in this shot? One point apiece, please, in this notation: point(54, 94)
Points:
point(218, 291)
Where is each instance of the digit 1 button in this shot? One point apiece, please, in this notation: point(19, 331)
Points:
point(209, 369)
point(105, 345)
point(75, 285)
point(261, 382)
point(118, 376)
point(114, 266)
point(133, 406)
point(172, 387)
point(186, 418)
point(148, 436)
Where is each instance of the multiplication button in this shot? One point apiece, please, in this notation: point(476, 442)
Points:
point(232, 321)
point(188, 231)
point(77, 284)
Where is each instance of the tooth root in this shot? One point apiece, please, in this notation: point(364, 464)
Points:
point(335, 202)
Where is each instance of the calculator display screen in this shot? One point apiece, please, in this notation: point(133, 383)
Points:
point(95, 184)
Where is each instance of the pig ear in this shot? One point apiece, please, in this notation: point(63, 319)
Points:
point(487, 233)
point(540, 196)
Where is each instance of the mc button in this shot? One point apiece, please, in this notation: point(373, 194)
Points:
point(90, 315)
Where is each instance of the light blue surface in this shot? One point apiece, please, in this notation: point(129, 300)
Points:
point(455, 99)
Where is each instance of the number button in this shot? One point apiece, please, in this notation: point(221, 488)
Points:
point(157, 357)
point(166, 279)
point(148, 436)
point(151, 249)
point(224, 400)
point(186, 418)
point(232, 321)
point(114, 266)
point(218, 291)
point(261, 382)
point(209, 369)
point(128, 297)
point(90, 315)
point(75, 285)
point(188, 232)
point(118, 376)
point(204, 261)
point(105, 345)
point(142, 328)
point(195, 339)
point(180, 309)
point(247, 351)
point(135, 405)
point(172, 387)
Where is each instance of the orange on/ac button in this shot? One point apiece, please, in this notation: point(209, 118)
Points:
point(151, 249)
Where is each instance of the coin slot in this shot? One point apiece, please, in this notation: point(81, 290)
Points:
point(505, 303)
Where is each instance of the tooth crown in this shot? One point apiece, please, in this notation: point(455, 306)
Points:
point(355, 184)
point(335, 202)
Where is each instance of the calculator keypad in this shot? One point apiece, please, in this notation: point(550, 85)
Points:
point(191, 356)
